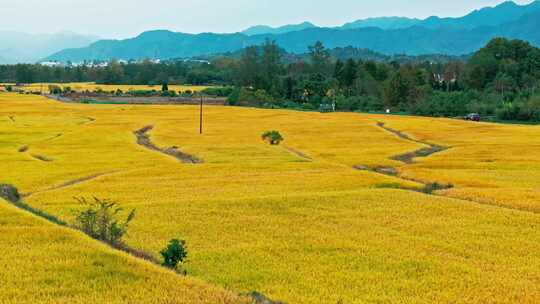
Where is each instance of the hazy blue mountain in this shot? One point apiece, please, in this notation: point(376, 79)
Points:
point(264, 29)
point(449, 37)
point(489, 16)
point(385, 23)
point(158, 44)
point(18, 47)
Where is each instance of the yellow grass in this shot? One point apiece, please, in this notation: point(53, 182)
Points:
point(44, 263)
point(297, 221)
point(90, 86)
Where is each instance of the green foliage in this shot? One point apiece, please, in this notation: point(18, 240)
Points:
point(168, 94)
point(9, 193)
point(100, 220)
point(272, 137)
point(165, 87)
point(520, 110)
point(9, 88)
point(249, 97)
point(142, 93)
point(55, 90)
point(218, 92)
point(174, 254)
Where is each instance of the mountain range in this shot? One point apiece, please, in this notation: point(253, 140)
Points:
point(387, 35)
point(265, 29)
point(17, 47)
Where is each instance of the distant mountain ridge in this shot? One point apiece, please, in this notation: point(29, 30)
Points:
point(389, 36)
point(16, 47)
point(264, 29)
point(488, 16)
point(385, 23)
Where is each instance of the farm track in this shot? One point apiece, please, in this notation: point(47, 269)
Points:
point(41, 158)
point(52, 137)
point(143, 139)
point(429, 188)
point(298, 153)
point(89, 120)
point(408, 158)
point(70, 183)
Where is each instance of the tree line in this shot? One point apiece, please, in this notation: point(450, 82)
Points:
point(500, 80)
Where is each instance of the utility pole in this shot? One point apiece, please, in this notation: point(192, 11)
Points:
point(201, 116)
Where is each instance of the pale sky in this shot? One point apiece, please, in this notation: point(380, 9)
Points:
point(127, 18)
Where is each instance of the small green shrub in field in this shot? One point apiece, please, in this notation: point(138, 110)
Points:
point(272, 137)
point(175, 253)
point(100, 220)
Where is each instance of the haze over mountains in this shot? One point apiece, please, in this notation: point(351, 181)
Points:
point(18, 47)
point(387, 35)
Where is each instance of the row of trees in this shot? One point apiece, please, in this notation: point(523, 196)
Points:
point(145, 72)
point(500, 79)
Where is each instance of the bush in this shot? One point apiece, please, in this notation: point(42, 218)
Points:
point(272, 137)
point(168, 94)
point(520, 111)
point(9, 88)
point(234, 97)
point(100, 221)
point(9, 193)
point(55, 90)
point(175, 253)
point(218, 92)
point(248, 97)
point(165, 87)
point(141, 93)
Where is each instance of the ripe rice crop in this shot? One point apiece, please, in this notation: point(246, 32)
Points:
point(317, 219)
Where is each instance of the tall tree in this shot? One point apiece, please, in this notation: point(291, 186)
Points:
point(320, 59)
point(249, 67)
point(271, 66)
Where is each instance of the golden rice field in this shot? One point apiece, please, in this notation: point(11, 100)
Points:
point(43, 263)
point(90, 86)
point(298, 222)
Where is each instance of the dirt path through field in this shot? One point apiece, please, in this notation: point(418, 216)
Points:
point(298, 153)
point(70, 183)
point(143, 139)
point(408, 159)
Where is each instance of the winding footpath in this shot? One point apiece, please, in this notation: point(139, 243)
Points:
point(408, 159)
point(143, 139)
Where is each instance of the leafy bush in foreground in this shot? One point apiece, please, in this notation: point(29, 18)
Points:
point(100, 220)
point(175, 253)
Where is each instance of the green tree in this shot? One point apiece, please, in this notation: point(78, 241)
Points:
point(271, 66)
point(249, 67)
point(175, 253)
point(272, 137)
point(320, 58)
